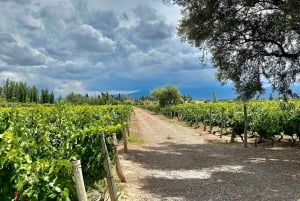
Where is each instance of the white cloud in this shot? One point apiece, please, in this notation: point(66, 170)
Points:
point(64, 87)
point(12, 76)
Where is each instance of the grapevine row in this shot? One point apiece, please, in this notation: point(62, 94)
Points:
point(266, 119)
point(38, 143)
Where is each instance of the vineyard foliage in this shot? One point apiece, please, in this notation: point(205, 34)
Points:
point(266, 119)
point(38, 143)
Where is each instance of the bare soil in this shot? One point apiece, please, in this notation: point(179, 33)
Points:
point(179, 163)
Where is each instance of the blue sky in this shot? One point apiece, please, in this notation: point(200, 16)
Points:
point(90, 46)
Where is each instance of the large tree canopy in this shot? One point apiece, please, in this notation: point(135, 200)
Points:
point(251, 41)
point(168, 95)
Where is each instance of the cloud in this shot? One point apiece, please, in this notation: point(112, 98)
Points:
point(58, 52)
point(58, 10)
point(12, 76)
point(150, 58)
point(74, 70)
point(14, 54)
point(86, 38)
point(80, 40)
point(151, 25)
point(154, 30)
point(64, 87)
point(103, 20)
point(95, 45)
point(146, 14)
point(17, 1)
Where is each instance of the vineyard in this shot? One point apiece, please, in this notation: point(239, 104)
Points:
point(266, 119)
point(38, 144)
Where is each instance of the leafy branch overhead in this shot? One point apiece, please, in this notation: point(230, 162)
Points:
point(250, 40)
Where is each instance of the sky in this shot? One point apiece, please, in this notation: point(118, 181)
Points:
point(92, 46)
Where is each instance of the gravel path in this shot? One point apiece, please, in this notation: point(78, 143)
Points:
point(177, 163)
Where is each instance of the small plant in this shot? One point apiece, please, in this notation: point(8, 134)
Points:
point(135, 140)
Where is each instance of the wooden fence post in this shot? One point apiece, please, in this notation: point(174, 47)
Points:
point(204, 121)
point(222, 121)
point(118, 164)
point(81, 194)
point(124, 138)
point(210, 120)
point(109, 177)
point(128, 126)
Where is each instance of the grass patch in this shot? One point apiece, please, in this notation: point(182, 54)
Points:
point(135, 140)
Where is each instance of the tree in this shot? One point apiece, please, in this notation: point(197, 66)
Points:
point(51, 98)
point(10, 91)
point(249, 40)
point(21, 90)
point(44, 96)
point(168, 95)
point(187, 98)
point(214, 96)
point(33, 94)
point(271, 97)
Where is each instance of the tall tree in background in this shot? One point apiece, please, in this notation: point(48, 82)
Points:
point(12, 91)
point(44, 96)
point(51, 97)
point(250, 40)
point(33, 94)
point(21, 92)
point(168, 95)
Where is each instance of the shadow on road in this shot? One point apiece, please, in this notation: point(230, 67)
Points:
point(219, 172)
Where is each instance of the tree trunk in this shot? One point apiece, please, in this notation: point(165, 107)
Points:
point(245, 125)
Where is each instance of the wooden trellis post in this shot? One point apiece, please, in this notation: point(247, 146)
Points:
point(222, 122)
point(81, 194)
point(128, 126)
point(109, 177)
point(124, 138)
point(210, 120)
point(118, 164)
point(246, 125)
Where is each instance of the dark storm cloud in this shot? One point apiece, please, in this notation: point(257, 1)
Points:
point(14, 54)
point(94, 45)
point(151, 25)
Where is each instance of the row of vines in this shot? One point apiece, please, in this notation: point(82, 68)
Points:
point(266, 119)
point(38, 144)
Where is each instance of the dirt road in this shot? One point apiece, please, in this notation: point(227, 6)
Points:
point(177, 163)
